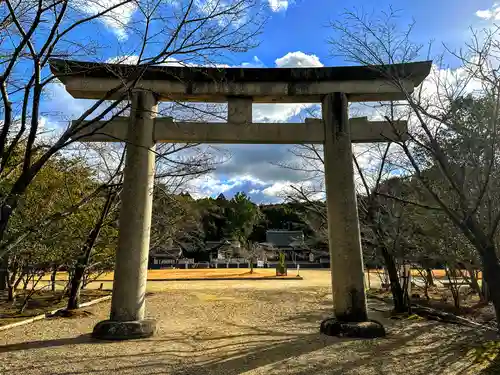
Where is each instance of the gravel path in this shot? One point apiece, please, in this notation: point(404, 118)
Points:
point(251, 327)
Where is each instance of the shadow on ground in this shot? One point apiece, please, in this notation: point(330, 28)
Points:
point(283, 355)
point(291, 344)
point(493, 368)
point(83, 339)
point(488, 354)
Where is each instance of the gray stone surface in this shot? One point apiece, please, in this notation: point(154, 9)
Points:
point(368, 330)
point(343, 225)
point(114, 330)
point(131, 266)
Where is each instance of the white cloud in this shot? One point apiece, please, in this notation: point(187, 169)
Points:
point(210, 186)
point(255, 63)
point(59, 106)
point(278, 188)
point(124, 59)
point(298, 59)
point(281, 189)
point(116, 19)
point(444, 84)
point(280, 112)
point(278, 5)
point(492, 13)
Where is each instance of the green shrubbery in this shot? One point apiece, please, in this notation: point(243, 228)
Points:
point(281, 267)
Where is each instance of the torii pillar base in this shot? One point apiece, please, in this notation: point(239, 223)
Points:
point(128, 305)
point(116, 330)
point(369, 329)
point(344, 239)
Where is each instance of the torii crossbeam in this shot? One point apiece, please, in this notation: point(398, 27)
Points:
point(333, 87)
point(310, 132)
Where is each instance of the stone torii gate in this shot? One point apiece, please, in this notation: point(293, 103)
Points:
point(333, 87)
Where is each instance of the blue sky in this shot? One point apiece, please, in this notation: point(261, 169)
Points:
point(303, 26)
point(295, 34)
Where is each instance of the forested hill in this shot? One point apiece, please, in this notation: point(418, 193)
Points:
point(238, 218)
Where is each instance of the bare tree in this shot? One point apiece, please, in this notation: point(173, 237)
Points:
point(381, 220)
point(452, 149)
point(171, 218)
point(36, 31)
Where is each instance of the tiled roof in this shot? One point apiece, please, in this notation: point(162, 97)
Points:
point(284, 238)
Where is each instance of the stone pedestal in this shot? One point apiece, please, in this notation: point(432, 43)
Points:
point(346, 259)
point(117, 330)
point(130, 277)
point(369, 329)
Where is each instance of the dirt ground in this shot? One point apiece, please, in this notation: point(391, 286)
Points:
point(40, 303)
point(247, 328)
point(173, 276)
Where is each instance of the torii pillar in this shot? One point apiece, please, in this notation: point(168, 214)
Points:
point(344, 238)
point(130, 277)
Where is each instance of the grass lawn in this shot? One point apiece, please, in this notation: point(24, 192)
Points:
point(243, 273)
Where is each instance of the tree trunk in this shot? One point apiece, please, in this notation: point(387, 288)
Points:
point(84, 259)
point(85, 279)
point(26, 281)
point(451, 274)
point(11, 279)
point(30, 294)
point(18, 281)
point(10, 293)
point(429, 277)
point(473, 280)
point(397, 292)
point(485, 292)
point(4, 272)
point(5, 214)
point(491, 274)
point(76, 282)
point(53, 276)
point(405, 282)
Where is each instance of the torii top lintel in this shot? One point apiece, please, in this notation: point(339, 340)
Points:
point(91, 80)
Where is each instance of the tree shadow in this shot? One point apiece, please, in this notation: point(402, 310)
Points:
point(275, 353)
point(82, 339)
point(488, 354)
point(257, 352)
point(290, 344)
point(493, 368)
point(446, 353)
